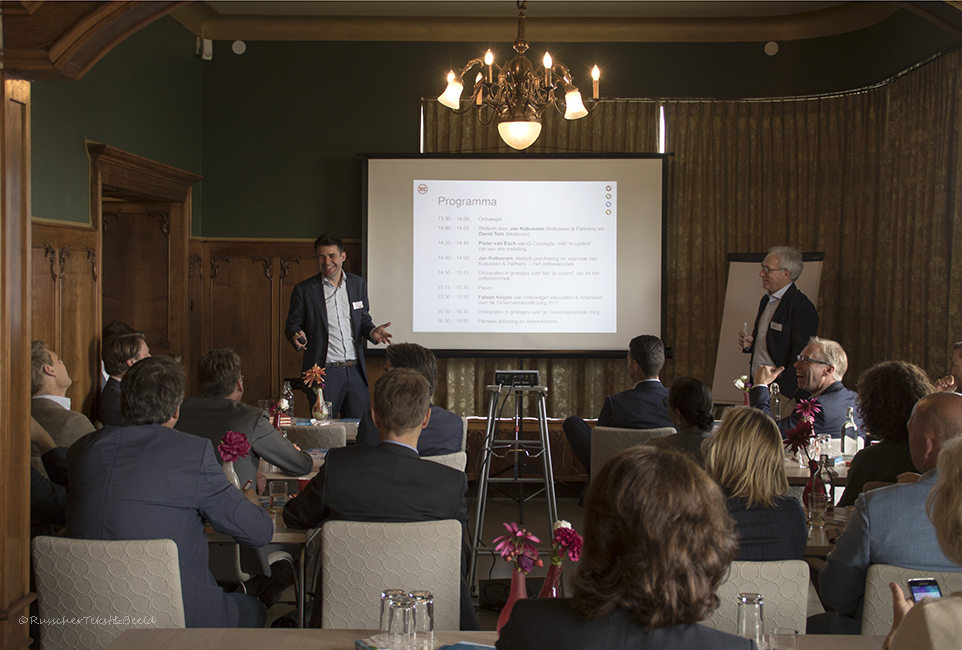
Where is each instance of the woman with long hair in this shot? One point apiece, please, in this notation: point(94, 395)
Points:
point(658, 543)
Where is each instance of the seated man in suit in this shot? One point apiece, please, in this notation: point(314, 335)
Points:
point(389, 482)
point(819, 369)
point(642, 407)
point(50, 406)
point(445, 431)
point(48, 494)
point(150, 481)
point(889, 525)
point(121, 351)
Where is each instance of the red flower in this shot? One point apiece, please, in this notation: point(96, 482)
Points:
point(807, 408)
point(518, 547)
point(800, 437)
point(232, 446)
point(567, 540)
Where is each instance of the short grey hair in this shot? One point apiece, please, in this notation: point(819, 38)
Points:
point(789, 259)
point(833, 353)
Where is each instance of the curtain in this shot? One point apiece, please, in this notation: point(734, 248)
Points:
point(870, 177)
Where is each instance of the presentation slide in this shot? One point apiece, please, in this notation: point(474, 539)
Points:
point(516, 254)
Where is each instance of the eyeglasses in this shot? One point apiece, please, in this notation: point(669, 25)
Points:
point(805, 359)
point(767, 269)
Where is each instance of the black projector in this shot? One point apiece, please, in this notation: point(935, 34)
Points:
point(523, 378)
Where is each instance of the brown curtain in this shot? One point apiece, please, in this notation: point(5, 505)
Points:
point(871, 178)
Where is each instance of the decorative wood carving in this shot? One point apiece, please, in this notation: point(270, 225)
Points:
point(268, 265)
point(92, 256)
point(164, 218)
point(215, 267)
point(50, 251)
point(286, 265)
point(64, 256)
point(195, 259)
point(108, 216)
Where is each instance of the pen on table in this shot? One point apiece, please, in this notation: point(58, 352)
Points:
point(247, 485)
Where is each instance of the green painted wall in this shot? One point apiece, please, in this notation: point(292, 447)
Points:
point(144, 97)
point(276, 132)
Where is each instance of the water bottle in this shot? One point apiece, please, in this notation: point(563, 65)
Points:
point(826, 476)
point(776, 401)
point(850, 439)
point(750, 618)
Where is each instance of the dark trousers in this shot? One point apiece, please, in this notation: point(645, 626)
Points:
point(578, 434)
point(345, 390)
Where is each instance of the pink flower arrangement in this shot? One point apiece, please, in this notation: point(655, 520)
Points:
point(807, 408)
point(518, 547)
point(566, 542)
point(233, 446)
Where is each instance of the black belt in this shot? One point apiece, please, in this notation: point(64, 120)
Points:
point(340, 364)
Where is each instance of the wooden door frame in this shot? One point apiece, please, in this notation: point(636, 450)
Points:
point(146, 180)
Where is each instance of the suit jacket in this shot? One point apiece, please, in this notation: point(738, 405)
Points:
point(687, 441)
point(211, 417)
point(152, 482)
point(775, 533)
point(835, 401)
point(109, 410)
point(799, 322)
point(64, 426)
point(308, 312)
point(888, 526)
point(642, 407)
point(443, 435)
point(549, 623)
point(48, 496)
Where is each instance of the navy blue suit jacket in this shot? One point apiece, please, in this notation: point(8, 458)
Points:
point(799, 322)
point(442, 436)
point(109, 411)
point(641, 407)
point(775, 533)
point(308, 312)
point(152, 482)
point(834, 402)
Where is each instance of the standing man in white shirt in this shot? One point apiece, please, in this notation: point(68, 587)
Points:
point(328, 320)
point(786, 318)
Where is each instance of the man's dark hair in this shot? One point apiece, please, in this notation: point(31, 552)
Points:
point(152, 391)
point(329, 239)
point(118, 349)
point(415, 357)
point(218, 373)
point(115, 327)
point(692, 399)
point(649, 353)
point(401, 400)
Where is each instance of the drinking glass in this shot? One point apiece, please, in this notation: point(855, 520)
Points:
point(817, 507)
point(277, 489)
point(423, 618)
point(783, 638)
point(387, 597)
point(400, 623)
point(750, 618)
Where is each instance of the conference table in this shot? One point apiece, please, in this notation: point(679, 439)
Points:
point(293, 639)
point(821, 541)
point(798, 475)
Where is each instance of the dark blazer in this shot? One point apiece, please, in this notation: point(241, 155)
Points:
point(211, 417)
point(109, 410)
point(48, 496)
point(442, 436)
point(308, 312)
point(835, 401)
point(551, 623)
point(642, 407)
point(687, 441)
point(880, 462)
point(152, 482)
point(799, 321)
point(776, 533)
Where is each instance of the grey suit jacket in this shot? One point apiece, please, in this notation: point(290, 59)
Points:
point(888, 526)
point(211, 417)
point(65, 427)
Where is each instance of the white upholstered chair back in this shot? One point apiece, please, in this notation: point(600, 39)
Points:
point(877, 611)
point(608, 441)
point(458, 461)
point(360, 559)
point(783, 586)
point(78, 577)
point(326, 437)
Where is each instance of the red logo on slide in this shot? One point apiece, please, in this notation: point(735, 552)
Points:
point(422, 189)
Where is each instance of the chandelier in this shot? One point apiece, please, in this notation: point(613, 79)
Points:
point(515, 96)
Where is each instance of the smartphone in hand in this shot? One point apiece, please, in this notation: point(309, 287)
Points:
point(924, 588)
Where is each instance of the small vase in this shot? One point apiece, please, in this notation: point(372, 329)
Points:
point(320, 410)
point(518, 591)
point(810, 486)
point(552, 583)
point(231, 474)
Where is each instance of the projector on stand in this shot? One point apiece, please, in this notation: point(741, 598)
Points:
point(519, 378)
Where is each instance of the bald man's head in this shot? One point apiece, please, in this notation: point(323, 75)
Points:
point(935, 420)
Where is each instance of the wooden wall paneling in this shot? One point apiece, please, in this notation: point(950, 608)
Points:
point(298, 263)
point(195, 309)
point(45, 317)
point(179, 327)
point(15, 268)
point(239, 313)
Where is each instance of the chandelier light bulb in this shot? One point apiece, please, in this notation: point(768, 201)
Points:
point(547, 60)
point(595, 76)
point(574, 106)
point(519, 135)
point(595, 73)
point(452, 94)
point(488, 58)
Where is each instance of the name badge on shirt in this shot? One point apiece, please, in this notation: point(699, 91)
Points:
point(776, 326)
point(359, 304)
